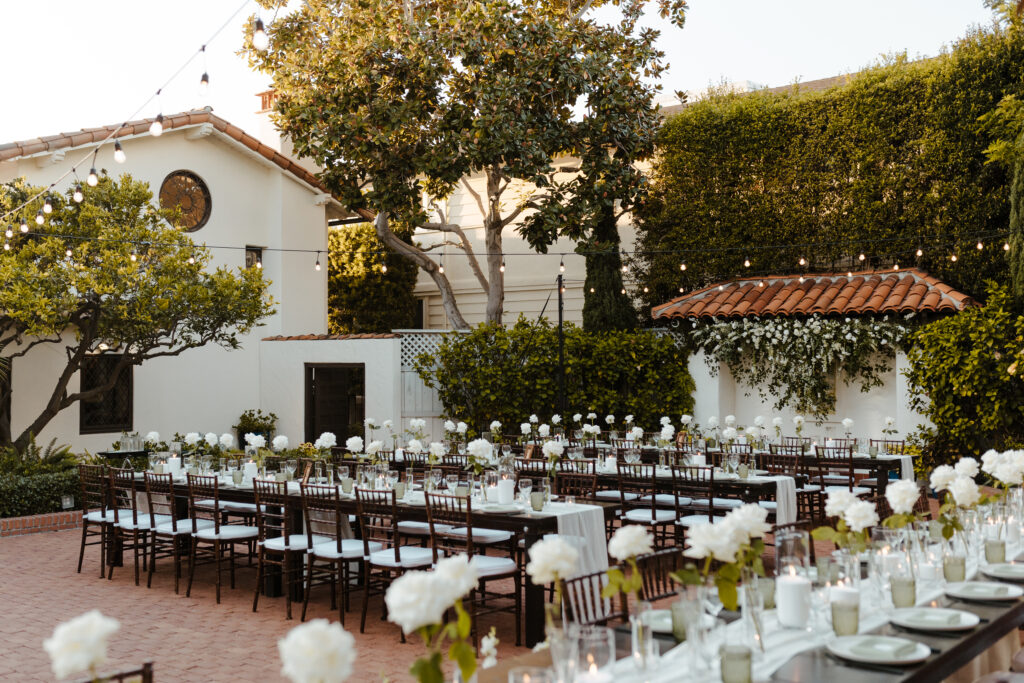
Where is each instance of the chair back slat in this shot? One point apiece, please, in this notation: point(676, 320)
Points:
point(378, 519)
point(890, 446)
point(449, 511)
point(691, 483)
point(321, 509)
point(94, 484)
point(122, 489)
point(654, 573)
point(582, 486)
point(582, 466)
point(143, 674)
point(160, 495)
point(273, 514)
point(583, 602)
point(204, 500)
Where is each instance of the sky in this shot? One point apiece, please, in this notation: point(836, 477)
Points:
point(73, 64)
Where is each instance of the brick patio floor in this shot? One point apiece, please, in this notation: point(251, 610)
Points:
point(188, 639)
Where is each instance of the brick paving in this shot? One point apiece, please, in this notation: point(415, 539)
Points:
point(188, 639)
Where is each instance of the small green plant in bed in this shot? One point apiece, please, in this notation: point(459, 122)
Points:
point(35, 459)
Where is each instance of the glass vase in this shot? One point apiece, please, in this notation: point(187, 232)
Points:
point(645, 649)
point(560, 645)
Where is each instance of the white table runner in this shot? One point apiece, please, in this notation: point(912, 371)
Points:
point(583, 526)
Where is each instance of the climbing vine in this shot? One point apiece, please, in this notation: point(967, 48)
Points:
point(796, 361)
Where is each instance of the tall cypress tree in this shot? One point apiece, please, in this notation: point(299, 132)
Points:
point(605, 306)
point(1016, 255)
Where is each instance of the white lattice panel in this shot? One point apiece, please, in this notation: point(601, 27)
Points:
point(416, 342)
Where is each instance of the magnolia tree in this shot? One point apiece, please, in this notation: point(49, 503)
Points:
point(112, 273)
point(401, 102)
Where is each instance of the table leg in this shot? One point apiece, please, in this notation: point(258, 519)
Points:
point(533, 599)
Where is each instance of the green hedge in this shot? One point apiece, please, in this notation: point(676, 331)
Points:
point(896, 157)
point(506, 374)
point(33, 495)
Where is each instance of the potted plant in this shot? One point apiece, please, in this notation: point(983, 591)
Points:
point(255, 422)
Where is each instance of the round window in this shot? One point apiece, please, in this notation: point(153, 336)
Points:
point(185, 191)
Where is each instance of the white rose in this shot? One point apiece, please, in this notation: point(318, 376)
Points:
point(317, 652)
point(749, 520)
point(577, 417)
point(837, 502)
point(729, 433)
point(354, 444)
point(387, 424)
point(759, 421)
point(495, 426)
point(902, 494)
point(414, 446)
point(668, 432)
point(636, 433)
point(1010, 469)
point(374, 447)
point(665, 420)
point(457, 576)
point(479, 449)
point(534, 419)
point(890, 421)
point(370, 422)
point(255, 440)
point(730, 420)
point(80, 643)
point(609, 420)
point(192, 438)
point(416, 599)
point(628, 419)
point(777, 421)
point(552, 558)
point(718, 540)
point(712, 422)
point(860, 516)
point(847, 424)
point(965, 492)
point(686, 419)
point(227, 441)
point(417, 424)
point(280, 443)
point(436, 449)
point(210, 439)
point(556, 419)
point(544, 431)
point(967, 467)
point(449, 426)
point(942, 477)
point(630, 541)
point(753, 432)
point(989, 460)
point(553, 448)
point(591, 416)
point(462, 427)
point(153, 437)
point(525, 428)
point(798, 420)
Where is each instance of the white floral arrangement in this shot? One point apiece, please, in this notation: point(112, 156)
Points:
point(577, 417)
point(544, 431)
point(534, 419)
point(591, 431)
point(665, 420)
point(729, 435)
point(668, 432)
point(890, 426)
point(461, 428)
point(417, 429)
point(436, 449)
point(317, 652)
point(591, 416)
point(552, 450)
point(325, 441)
point(256, 441)
point(414, 446)
point(211, 440)
point(80, 644)
point(371, 424)
point(847, 426)
point(628, 419)
point(552, 559)
point(760, 422)
point(556, 419)
point(480, 450)
point(854, 515)
point(730, 420)
point(753, 432)
point(525, 429)
point(449, 426)
point(354, 444)
point(227, 441)
point(635, 434)
point(192, 438)
point(280, 443)
point(152, 437)
point(374, 447)
point(495, 427)
point(609, 420)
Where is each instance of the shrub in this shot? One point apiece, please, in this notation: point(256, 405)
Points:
point(964, 376)
point(35, 460)
point(33, 495)
point(506, 374)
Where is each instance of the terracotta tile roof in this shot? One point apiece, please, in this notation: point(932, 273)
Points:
point(804, 87)
point(863, 293)
point(86, 136)
point(322, 337)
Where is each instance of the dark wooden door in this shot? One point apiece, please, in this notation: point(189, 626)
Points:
point(334, 401)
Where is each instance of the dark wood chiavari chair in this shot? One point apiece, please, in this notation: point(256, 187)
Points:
point(143, 674)
point(210, 541)
point(131, 525)
point(889, 446)
point(581, 466)
point(834, 468)
point(97, 518)
point(378, 521)
point(654, 571)
point(582, 486)
point(533, 467)
point(582, 599)
point(168, 538)
point(331, 552)
point(801, 524)
point(639, 506)
point(452, 532)
point(276, 545)
point(842, 443)
point(787, 449)
point(798, 442)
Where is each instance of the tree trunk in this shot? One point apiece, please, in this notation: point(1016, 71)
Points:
point(606, 307)
point(395, 243)
point(492, 242)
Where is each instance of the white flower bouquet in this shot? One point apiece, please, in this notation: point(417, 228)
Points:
point(317, 652)
point(854, 515)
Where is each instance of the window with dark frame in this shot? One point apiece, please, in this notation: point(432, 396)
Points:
point(253, 257)
point(109, 411)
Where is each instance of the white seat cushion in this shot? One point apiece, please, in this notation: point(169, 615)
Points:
point(719, 503)
point(809, 488)
point(108, 516)
point(228, 505)
point(351, 549)
point(694, 520)
point(665, 499)
point(487, 566)
point(615, 495)
point(483, 536)
point(145, 523)
point(768, 504)
point(295, 542)
point(646, 516)
point(184, 526)
point(231, 532)
point(857, 490)
point(420, 528)
point(409, 556)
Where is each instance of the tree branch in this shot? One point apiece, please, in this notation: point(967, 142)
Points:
point(476, 196)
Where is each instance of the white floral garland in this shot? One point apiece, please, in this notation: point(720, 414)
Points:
point(795, 358)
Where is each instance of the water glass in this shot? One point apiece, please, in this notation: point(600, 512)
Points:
point(595, 650)
point(645, 648)
point(530, 674)
point(686, 612)
point(845, 617)
point(451, 481)
point(525, 487)
point(544, 486)
point(317, 472)
point(236, 476)
point(342, 472)
point(435, 479)
point(506, 449)
point(537, 501)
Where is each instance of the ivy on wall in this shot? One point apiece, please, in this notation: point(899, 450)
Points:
point(793, 361)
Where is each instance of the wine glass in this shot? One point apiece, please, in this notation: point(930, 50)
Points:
point(506, 449)
point(461, 447)
point(734, 462)
point(435, 479)
point(451, 481)
point(525, 487)
point(392, 478)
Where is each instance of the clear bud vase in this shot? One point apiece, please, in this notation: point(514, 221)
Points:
point(645, 649)
point(563, 657)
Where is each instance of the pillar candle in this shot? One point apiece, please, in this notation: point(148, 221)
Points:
point(609, 463)
point(491, 494)
point(506, 491)
point(173, 466)
point(699, 459)
point(793, 599)
point(251, 470)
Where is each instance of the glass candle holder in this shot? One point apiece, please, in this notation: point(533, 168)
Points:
point(766, 584)
point(995, 550)
point(735, 663)
point(530, 674)
point(954, 567)
point(593, 648)
point(537, 501)
point(904, 590)
point(845, 618)
point(686, 613)
point(645, 648)
point(346, 484)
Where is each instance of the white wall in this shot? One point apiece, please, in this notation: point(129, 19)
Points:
point(254, 202)
point(282, 377)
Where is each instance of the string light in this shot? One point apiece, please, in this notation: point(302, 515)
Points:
point(440, 268)
point(979, 246)
point(721, 288)
point(134, 257)
point(92, 180)
point(682, 266)
point(623, 290)
point(384, 268)
point(896, 266)
point(39, 217)
point(801, 279)
point(67, 252)
point(501, 268)
point(78, 196)
point(259, 263)
point(260, 39)
point(803, 261)
point(156, 129)
point(561, 265)
point(746, 263)
point(7, 246)
point(624, 268)
point(204, 80)
point(953, 258)
point(119, 155)
point(1006, 246)
point(645, 290)
point(24, 225)
point(849, 273)
point(591, 290)
point(680, 290)
point(919, 252)
point(316, 266)
point(47, 205)
point(861, 257)
point(760, 283)
point(9, 233)
point(191, 259)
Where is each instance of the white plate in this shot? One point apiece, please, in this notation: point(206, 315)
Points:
point(498, 507)
point(1006, 570)
point(934, 619)
point(984, 590)
point(872, 649)
point(660, 620)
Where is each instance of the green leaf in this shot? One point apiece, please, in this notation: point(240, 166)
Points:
point(428, 669)
point(463, 654)
point(465, 625)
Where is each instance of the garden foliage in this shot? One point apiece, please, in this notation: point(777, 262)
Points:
point(506, 374)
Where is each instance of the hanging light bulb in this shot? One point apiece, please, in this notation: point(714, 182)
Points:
point(919, 252)
point(760, 283)
point(156, 129)
point(953, 258)
point(7, 246)
point(67, 252)
point(803, 261)
point(39, 217)
point(623, 290)
point(1006, 246)
point(24, 225)
point(260, 39)
point(746, 263)
point(259, 263)
point(78, 196)
point(979, 246)
point(561, 265)
point(47, 205)
point(501, 268)
point(119, 156)
point(383, 267)
point(191, 259)
point(563, 290)
point(591, 290)
point(440, 268)
point(9, 233)
point(204, 84)
point(896, 266)
point(682, 266)
point(134, 257)
point(801, 280)
point(92, 180)
point(316, 266)
point(861, 257)
point(721, 288)
point(624, 268)
point(680, 290)
point(849, 273)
